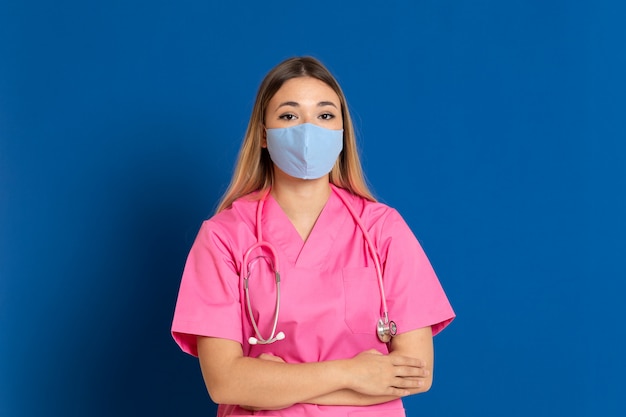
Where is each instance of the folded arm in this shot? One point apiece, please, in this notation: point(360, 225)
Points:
point(232, 378)
point(417, 344)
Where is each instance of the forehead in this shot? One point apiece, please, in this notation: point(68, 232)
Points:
point(304, 89)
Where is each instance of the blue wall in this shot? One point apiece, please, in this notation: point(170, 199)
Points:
point(496, 128)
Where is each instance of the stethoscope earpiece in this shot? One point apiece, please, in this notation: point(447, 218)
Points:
point(254, 341)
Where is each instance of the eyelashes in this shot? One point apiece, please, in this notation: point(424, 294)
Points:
point(287, 117)
point(290, 116)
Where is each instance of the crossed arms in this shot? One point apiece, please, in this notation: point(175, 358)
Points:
point(269, 383)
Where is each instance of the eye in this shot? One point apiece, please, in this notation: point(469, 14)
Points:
point(327, 116)
point(288, 117)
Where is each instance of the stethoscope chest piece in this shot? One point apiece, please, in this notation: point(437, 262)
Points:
point(385, 330)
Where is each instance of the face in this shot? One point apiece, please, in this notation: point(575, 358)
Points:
point(304, 100)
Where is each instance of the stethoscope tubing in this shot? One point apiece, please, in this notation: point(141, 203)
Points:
point(245, 272)
point(373, 253)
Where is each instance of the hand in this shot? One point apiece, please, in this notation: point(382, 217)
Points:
point(271, 358)
point(376, 374)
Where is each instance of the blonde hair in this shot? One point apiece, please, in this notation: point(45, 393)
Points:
point(253, 171)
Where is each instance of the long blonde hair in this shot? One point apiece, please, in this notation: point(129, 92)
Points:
point(253, 171)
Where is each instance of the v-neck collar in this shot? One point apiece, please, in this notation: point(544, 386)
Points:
point(278, 229)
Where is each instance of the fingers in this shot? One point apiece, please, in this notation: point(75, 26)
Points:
point(396, 375)
point(408, 383)
point(411, 371)
point(403, 387)
point(270, 357)
point(398, 392)
point(398, 360)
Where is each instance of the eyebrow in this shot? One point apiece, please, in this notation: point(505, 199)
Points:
point(296, 104)
point(326, 103)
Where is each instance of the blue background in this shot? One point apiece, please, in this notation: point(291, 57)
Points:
point(497, 128)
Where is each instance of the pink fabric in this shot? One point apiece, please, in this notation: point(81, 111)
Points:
point(330, 299)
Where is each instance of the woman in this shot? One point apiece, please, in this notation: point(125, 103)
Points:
point(327, 347)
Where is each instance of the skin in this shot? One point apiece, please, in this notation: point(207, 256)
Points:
point(302, 100)
point(267, 382)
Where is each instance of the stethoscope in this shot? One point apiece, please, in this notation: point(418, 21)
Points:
point(385, 329)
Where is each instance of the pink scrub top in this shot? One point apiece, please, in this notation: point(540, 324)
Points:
point(330, 298)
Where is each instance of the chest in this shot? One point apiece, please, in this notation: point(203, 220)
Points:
point(327, 306)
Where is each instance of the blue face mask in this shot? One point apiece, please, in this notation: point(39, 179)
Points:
point(304, 151)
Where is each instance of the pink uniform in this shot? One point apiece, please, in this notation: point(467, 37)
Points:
point(330, 297)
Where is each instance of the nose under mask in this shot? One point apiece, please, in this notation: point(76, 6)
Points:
point(305, 151)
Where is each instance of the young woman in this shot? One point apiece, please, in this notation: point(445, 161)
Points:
point(303, 296)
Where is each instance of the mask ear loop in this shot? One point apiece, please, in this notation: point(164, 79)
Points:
point(264, 143)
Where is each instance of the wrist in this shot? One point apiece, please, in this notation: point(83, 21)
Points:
point(345, 375)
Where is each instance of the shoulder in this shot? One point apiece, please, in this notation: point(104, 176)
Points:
point(372, 213)
point(384, 223)
point(244, 208)
point(229, 223)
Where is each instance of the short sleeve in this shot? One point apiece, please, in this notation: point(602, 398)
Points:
point(414, 294)
point(208, 299)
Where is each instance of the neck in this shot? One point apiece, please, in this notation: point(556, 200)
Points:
point(301, 195)
point(301, 200)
